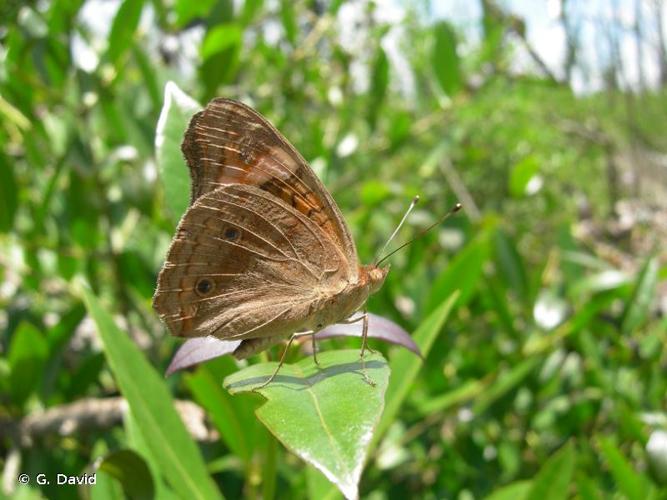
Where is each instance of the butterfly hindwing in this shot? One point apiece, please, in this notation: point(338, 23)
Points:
point(245, 264)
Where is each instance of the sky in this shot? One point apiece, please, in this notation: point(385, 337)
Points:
point(544, 32)
point(547, 37)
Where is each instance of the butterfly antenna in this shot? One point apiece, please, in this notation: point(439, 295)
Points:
point(451, 212)
point(414, 202)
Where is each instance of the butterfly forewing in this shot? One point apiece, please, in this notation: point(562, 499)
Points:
point(230, 143)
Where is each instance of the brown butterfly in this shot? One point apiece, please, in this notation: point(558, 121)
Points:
point(262, 251)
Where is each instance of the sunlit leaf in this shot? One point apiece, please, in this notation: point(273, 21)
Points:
point(514, 491)
point(379, 84)
point(522, 175)
point(325, 414)
point(122, 30)
point(656, 452)
point(639, 305)
point(186, 10)
point(27, 356)
point(219, 39)
point(552, 482)
point(632, 484)
point(608, 279)
point(176, 112)
point(288, 18)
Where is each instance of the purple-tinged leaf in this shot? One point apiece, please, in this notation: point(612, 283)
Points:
point(378, 328)
point(198, 350)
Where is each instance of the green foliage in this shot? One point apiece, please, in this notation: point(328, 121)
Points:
point(536, 308)
point(153, 409)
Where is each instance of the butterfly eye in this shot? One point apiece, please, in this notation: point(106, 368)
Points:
point(231, 234)
point(204, 286)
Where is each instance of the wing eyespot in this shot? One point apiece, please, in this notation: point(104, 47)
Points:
point(231, 233)
point(204, 287)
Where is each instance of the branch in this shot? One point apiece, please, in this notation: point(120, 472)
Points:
point(518, 28)
point(88, 415)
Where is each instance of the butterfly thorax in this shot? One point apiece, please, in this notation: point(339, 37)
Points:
point(339, 306)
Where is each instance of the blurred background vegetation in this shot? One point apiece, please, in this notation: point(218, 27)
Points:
point(558, 339)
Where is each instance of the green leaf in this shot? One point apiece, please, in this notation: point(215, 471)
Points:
point(288, 18)
point(521, 175)
point(220, 56)
point(374, 192)
point(130, 469)
point(8, 195)
point(152, 406)
point(250, 10)
point(326, 414)
point(148, 74)
point(552, 482)
point(207, 391)
point(444, 58)
point(187, 10)
point(464, 392)
point(320, 487)
point(122, 30)
point(137, 441)
point(514, 491)
point(586, 486)
point(510, 265)
point(405, 365)
point(639, 305)
point(632, 484)
point(27, 357)
point(220, 38)
point(379, 84)
point(270, 468)
point(176, 112)
point(106, 488)
point(462, 274)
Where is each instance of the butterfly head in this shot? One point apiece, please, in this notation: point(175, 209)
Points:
point(375, 276)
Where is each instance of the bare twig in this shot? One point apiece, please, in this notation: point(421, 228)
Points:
point(460, 189)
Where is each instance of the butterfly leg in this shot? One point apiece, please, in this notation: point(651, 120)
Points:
point(282, 358)
point(364, 336)
point(312, 338)
point(364, 346)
